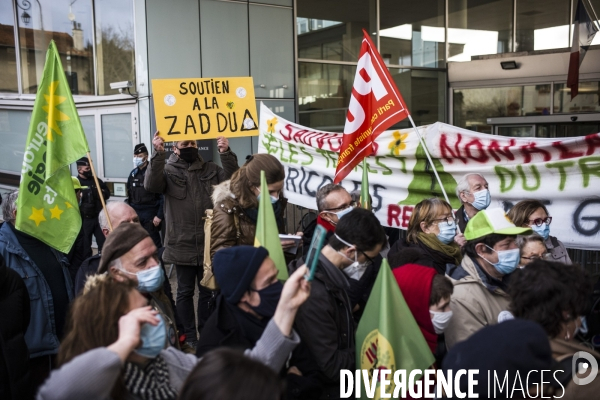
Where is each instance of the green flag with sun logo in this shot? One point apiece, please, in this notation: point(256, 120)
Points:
point(47, 206)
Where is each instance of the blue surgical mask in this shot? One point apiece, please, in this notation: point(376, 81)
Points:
point(345, 211)
point(273, 199)
point(137, 161)
point(508, 260)
point(149, 280)
point(153, 338)
point(543, 231)
point(269, 298)
point(482, 199)
point(447, 232)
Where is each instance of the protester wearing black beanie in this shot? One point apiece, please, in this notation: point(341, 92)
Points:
point(235, 269)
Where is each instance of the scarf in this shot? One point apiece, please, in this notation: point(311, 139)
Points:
point(151, 382)
point(252, 213)
point(251, 327)
point(442, 253)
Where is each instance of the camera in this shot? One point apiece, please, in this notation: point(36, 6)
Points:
point(121, 85)
point(573, 119)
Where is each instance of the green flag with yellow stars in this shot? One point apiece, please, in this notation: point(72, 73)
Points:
point(47, 206)
point(267, 234)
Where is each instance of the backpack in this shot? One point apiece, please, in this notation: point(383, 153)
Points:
point(208, 278)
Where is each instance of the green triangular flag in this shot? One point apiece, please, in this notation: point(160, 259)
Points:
point(47, 206)
point(267, 234)
point(388, 336)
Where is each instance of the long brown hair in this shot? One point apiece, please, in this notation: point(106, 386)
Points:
point(248, 177)
point(94, 321)
point(425, 211)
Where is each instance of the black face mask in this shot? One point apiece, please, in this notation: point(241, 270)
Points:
point(269, 297)
point(188, 154)
point(87, 174)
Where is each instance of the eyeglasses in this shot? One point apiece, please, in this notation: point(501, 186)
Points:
point(369, 259)
point(342, 207)
point(449, 220)
point(534, 257)
point(540, 221)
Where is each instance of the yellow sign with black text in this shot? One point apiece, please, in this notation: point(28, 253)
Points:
point(204, 108)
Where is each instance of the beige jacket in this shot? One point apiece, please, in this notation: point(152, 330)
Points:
point(562, 349)
point(475, 303)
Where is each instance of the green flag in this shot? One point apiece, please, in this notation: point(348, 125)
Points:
point(267, 234)
point(365, 198)
point(47, 206)
point(388, 336)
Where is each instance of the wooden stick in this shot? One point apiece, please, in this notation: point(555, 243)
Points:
point(99, 191)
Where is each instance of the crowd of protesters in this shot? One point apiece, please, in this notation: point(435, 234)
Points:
point(489, 290)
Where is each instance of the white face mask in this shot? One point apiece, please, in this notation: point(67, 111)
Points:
point(355, 270)
point(440, 320)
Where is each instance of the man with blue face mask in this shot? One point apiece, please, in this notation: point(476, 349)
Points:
point(480, 281)
point(130, 254)
point(472, 191)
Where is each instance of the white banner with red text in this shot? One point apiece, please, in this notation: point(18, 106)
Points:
point(563, 173)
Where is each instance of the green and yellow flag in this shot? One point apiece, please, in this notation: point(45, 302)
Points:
point(388, 336)
point(267, 234)
point(365, 198)
point(47, 207)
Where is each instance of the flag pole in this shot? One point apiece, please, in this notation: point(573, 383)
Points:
point(433, 166)
point(595, 21)
point(99, 191)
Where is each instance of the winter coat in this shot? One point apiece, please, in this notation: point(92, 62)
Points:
point(14, 320)
point(224, 232)
point(557, 250)
point(562, 350)
point(92, 375)
point(41, 335)
point(428, 257)
point(187, 189)
point(476, 301)
point(325, 324)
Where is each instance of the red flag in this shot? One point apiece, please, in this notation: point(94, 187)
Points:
point(584, 31)
point(375, 105)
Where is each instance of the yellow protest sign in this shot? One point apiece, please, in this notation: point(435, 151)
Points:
point(204, 108)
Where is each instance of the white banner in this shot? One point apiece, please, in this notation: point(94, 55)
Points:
point(563, 173)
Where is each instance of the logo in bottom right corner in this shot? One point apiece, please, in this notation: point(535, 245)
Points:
point(580, 367)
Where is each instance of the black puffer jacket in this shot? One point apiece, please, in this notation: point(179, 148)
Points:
point(14, 320)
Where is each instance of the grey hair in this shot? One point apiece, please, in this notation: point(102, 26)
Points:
point(324, 192)
point(9, 205)
point(110, 206)
point(522, 240)
point(463, 184)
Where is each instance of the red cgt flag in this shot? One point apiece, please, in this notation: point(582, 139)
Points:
point(375, 105)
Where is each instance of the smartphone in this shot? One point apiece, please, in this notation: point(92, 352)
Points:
point(312, 257)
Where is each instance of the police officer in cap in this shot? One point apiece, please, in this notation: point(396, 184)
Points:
point(147, 205)
point(90, 203)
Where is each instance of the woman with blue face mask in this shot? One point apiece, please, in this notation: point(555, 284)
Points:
point(431, 231)
point(116, 345)
point(534, 214)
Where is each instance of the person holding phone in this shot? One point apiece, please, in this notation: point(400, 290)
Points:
point(325, 323)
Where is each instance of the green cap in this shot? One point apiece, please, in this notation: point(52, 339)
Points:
point(77, 184)
point(489, 221)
